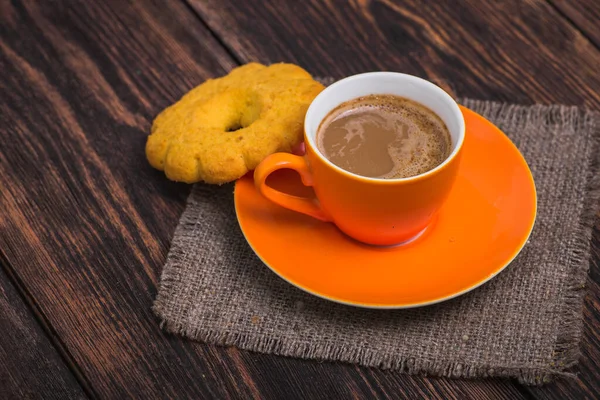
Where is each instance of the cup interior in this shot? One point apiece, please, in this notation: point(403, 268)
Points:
point(393, 83)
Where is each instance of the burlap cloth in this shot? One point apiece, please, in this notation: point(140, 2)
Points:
point(525, 323)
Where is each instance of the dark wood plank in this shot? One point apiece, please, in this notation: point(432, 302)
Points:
point(86, 223)
point(584, 14)
point(30, 366)
point(514, 51)
point(285, 378)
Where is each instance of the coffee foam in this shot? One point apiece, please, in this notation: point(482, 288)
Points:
point(384, 137)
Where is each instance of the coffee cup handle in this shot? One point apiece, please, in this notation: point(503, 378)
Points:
point(304, 205)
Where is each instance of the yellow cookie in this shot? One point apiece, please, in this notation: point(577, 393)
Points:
point(225, 127)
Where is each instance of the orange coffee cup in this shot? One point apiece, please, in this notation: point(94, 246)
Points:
point(371, 210)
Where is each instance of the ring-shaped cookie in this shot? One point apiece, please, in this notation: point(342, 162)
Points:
point(225, 127)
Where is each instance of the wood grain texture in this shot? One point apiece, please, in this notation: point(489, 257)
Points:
point(30, 366)
point(516, 51)
point(286, 378)
point(87, 223)
point(584, 14)
point(520, 52)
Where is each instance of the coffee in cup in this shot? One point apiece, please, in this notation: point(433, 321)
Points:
point(389, 202)
point(384, 136)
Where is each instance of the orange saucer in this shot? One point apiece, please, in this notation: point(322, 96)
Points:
point(480, 229)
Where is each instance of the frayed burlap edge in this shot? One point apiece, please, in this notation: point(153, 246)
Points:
point(566, 351)
point(567, 348)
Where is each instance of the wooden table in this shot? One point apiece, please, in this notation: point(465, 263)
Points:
point(85, 223)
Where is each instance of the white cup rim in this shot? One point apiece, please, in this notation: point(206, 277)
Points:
point(427, 85)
